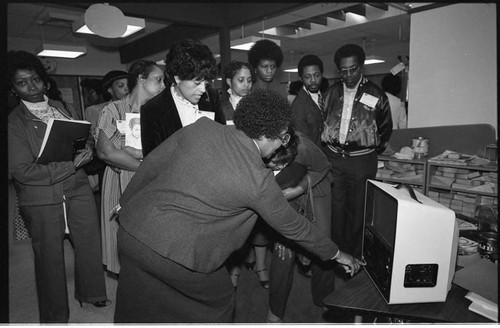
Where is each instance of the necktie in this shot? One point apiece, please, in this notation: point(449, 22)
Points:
point(321, 104)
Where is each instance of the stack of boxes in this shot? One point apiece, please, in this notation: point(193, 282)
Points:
point(410, 173)
point(462, 179)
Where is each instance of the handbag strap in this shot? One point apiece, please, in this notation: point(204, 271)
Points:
point(308, 198)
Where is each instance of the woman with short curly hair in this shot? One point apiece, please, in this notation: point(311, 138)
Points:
point(189, 69)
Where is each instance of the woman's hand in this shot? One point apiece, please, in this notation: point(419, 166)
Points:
point(351, 264)
point(82, 157)
point(293, 192)
point(283, 251)
point(134, 152)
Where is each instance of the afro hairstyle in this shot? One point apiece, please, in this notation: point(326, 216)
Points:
point(265, 50)
point(262, 113)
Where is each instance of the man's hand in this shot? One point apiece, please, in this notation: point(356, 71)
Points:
point(351, 264)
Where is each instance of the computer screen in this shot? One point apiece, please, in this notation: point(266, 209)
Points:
point(383, 211)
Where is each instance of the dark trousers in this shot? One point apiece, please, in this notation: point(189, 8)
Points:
point(348, 198)
point(323, 277)
point(154, 289)
point(281, 272)
point(47, 224)
point(281, 279)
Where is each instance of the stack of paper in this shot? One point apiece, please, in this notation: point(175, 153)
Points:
point(481, 279)
point(482, 306)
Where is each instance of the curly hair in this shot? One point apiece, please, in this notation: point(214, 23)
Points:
point(262, 113)
point(265, 50)
point(139, 69)
point(309, 60)
point(190, 60)
point(349, 50)
point(24, 60)
point(234, 67)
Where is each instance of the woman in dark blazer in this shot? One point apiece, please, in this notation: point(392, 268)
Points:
point(188, 96)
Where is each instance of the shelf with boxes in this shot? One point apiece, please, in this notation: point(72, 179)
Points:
point(462, 187)
point(393, 170)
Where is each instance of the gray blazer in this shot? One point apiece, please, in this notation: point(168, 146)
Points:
point(196, 197)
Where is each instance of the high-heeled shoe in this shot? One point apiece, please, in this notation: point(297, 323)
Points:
point(98, 303)
point(263, 283)
point(250, 265)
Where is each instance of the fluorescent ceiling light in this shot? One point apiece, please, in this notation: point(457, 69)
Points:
point(247, 42)
point(292, 70)
point(373, 60)
point(60, 50)
point(133, 25)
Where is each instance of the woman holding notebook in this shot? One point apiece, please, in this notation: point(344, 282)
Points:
point(55, 198)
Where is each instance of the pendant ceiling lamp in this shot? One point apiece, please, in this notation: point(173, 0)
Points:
point(108, 22)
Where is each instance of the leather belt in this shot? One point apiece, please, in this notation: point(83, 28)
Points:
point(346, 153)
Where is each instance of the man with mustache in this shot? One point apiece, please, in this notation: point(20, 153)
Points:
point(357, 127)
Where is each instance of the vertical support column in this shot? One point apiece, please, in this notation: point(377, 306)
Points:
point(225, 53)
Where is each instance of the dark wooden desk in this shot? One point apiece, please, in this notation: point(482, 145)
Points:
point(359, 294)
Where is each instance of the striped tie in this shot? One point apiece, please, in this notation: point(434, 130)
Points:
point(321, 104)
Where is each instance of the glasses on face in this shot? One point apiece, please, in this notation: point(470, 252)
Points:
point(347, 71)
point(278, 167)
point(285, 138)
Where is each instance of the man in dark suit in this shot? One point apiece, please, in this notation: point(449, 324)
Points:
point(193, 202)
point(189, 67)
point(308, 107)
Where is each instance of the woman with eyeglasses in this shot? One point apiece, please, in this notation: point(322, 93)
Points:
point(357, 128)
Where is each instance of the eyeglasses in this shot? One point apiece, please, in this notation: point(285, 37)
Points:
point(285, 138)
point(352, 70)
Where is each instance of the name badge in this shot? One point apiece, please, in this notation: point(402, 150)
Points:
point(368, 100)
point(229, 122)
point(210, 115)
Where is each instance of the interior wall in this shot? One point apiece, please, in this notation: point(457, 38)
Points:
point(453, 66)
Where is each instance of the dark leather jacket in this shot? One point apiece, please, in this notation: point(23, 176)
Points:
point(370, 127)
